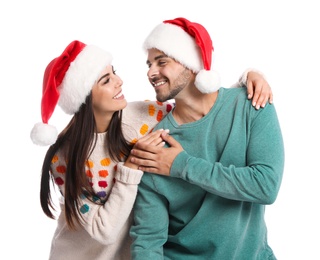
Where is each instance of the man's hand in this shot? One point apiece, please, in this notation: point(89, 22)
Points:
point(153, 139)
point(156, 158)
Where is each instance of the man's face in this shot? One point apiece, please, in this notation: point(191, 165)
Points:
point(167, 76)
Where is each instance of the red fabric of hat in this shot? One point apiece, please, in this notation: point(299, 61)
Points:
point(53, 77)
point(201, 36)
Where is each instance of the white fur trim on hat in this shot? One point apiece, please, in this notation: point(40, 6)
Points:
point(43, 134)
point(177, 44)
point(80, 77)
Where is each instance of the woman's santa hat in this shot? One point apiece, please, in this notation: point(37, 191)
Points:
point(190, 44)
point(67, 81)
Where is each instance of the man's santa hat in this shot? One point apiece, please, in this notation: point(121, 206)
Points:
point(67, 81)
point(190, 44)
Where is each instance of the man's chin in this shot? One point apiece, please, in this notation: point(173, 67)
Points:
point(161, 98)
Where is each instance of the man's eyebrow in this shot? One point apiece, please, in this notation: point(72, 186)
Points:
point(104, 76)
point(158, 57)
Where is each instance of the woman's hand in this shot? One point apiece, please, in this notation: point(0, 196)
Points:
point(156, 159)
point(258, 89)
point(153, 139)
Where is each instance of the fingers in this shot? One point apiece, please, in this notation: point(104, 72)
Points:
point(260, 89)
point(170, 140)
point(142, 157)
point(156, 159)
point(250, 89)
point(148, 165)
point(271, 97)
point(147, 160)
point(153, 138)
point(128, 163)
point(262, 95)
point(258, 96)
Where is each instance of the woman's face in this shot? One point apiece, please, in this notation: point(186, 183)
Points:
point(107, 96)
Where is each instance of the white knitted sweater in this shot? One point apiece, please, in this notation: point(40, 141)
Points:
point(106, 232)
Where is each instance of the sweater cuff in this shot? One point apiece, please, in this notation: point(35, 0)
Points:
point(180, 165)
point(244, 76)
point(128, 175)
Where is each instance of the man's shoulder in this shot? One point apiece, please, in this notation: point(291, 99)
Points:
point(235, 91)
point(234, 94)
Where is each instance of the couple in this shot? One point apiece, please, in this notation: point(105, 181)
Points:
point(225, 157)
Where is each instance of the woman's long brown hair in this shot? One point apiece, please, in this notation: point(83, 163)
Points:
point(76, 140)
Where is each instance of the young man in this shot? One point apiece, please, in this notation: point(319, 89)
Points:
point(223, 162)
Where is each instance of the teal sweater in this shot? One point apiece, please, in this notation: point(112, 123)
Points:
point(212, 205)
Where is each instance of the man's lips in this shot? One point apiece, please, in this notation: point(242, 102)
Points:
point(159, 83)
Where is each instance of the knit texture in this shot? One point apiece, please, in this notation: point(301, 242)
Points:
point(105, 232)
point(212, 206)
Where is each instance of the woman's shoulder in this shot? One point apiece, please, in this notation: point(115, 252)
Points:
point(149, 105)
point(140, 117)
point(147, 108)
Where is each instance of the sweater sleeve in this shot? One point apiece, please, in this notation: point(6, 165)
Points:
point(151, 220)
point(104, 222)
point(242, 82)
point(258, 180)
point(140, 117)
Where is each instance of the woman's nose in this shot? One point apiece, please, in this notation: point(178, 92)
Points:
point(119, 81)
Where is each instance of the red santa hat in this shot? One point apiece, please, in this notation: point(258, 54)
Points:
point(190, 44)
point(67, 81)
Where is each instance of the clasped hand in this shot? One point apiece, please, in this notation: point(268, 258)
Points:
point(151, 155)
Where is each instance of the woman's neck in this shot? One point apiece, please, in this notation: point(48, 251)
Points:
point(102, 123)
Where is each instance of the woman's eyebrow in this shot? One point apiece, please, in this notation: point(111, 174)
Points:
point(103, 76)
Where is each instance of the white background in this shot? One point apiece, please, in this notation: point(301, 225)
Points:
point(279, 38)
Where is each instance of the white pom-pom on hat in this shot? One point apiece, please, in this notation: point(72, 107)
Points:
point(190, 44)
point(208, 81)
point(43, 134)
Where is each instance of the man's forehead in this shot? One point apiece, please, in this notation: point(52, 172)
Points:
point(155, 54)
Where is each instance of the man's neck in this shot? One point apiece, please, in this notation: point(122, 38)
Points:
point(192, 109)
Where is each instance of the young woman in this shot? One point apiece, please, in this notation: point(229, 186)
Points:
point(89, 160)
